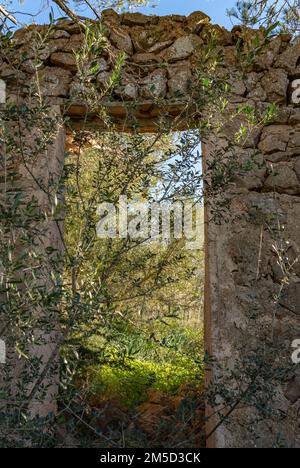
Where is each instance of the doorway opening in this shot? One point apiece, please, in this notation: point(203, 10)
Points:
point(135, 265)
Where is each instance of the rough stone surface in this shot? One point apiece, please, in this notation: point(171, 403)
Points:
point(254, 87)
point(196, 21)
point(289, 59)
point(64, 60)
point(216, 33)
point(291, 298)
point(152, 42)
point(274, 138)
point(182, 48)
point(283, 180)
point(133, 19)
point(128, 90)
point(275, 84)
point(154, 85)
point(103, 79)
point(59, 34)
point(253, 168)
point(297, 168)
point(121, 40)
point(74, 43)
point(266, 59)
point(238, 86)
point(293, 391)
point(145, 57)
point(160, 46)
point(55, 81)
point(179, 78)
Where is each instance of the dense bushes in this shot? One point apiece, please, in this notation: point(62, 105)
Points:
point(158, 355)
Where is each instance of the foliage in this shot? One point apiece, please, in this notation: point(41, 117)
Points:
point(136, 359)
point(283, 15)
point(143, 284)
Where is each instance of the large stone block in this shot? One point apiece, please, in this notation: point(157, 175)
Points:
point(283, 180)
point(121, 40)
point(182, 48)
point(290, 298)
point(297, 167)
point(274, 138)
point(64, 60)
point(54, 81)
point(154, 85)
point(179, 79)
point(266, 57)
point(137, 19)
point(275, 83)
point(289, 59)
point(196, 21)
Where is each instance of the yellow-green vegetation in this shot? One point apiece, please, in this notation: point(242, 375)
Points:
point(154, 355)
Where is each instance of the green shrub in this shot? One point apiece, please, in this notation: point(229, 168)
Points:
point(158, 356)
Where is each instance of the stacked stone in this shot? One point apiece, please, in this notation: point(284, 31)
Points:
point(161, 57)
point(161, 54)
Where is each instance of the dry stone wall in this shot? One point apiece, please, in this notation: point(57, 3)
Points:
point(252, 272)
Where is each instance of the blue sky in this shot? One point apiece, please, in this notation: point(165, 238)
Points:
point(214, 8)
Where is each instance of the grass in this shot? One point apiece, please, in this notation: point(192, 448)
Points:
point(131, 360)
